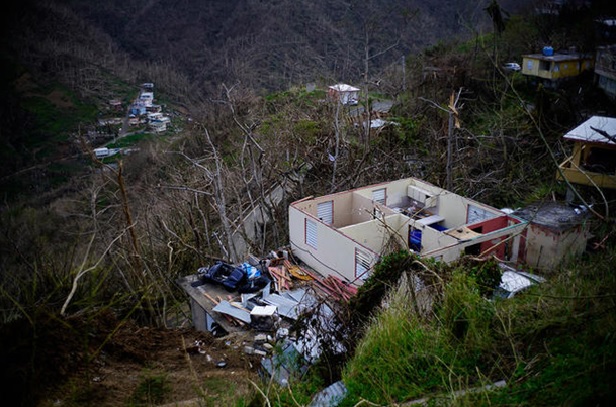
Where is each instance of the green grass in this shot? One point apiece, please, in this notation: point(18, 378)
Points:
point(58, 121)
point(131, 140)
point(554, 345)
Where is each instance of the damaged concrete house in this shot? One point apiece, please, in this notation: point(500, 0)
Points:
point(344, 234)
point(338, 238)
point(343, 93)
point(335, 241)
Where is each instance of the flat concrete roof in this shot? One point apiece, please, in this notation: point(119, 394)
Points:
point(554, 215)
point(558, 57)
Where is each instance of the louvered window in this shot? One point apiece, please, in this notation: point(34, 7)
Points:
point(362, 264)
point(325, 212)
point(311, 233)
point(378, 195)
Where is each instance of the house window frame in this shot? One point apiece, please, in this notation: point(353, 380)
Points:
point(362, 259)
point(329, 221)
point(311, 239)
point(476, 214)
point(377, 199)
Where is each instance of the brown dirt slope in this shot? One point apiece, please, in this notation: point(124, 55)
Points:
point(101, 360)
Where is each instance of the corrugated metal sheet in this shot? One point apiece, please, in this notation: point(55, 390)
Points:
point(587, 131)
point(225, 307)
point(330, 396)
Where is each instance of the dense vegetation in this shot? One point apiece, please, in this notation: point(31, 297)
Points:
point(553, 345)
point(81, 237)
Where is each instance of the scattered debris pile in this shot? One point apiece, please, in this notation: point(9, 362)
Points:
point(269, 296)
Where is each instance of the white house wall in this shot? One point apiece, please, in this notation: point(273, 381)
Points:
point(376, 233)
point(432, 239)
point(342, 207)
point(362, 209)
point(546, 248)
point(334, 254)
point(398, 224)
point(371, 234)
point(452, 207)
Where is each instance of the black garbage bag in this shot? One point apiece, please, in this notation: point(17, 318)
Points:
point(253, 285)
point(235, 280)
point(216, 274)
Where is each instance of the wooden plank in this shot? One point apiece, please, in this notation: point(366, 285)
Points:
point(209, 297)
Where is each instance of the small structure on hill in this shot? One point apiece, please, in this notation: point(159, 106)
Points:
point(556, 231)
point(115, 104)
point(345, 94)
point(101, 152)
point(147, 98)
point(593, 161)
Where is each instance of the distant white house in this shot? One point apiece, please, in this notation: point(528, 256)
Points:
point(101, 152)
point(147, 98)
point(158, 126)
point(346, 94)
point(133, 120)
point(155, 116)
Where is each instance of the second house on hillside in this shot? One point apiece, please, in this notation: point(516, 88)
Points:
point(551, 68)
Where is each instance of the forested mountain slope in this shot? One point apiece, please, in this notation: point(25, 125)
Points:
point(274, 44)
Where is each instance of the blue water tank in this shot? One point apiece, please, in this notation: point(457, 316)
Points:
point(548, 51)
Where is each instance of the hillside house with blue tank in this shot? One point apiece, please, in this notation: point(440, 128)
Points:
point(551, 68)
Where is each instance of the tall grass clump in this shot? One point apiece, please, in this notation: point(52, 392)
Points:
point(405, 355)
point(466, 316)
point(400, 356)
point(561, 336)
